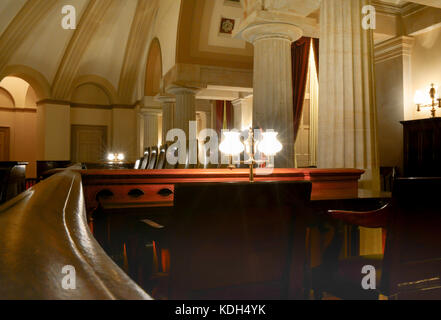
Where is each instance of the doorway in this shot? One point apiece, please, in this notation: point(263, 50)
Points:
point(5, 139)
point(88, 143)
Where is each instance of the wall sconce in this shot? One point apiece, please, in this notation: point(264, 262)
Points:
point(232, 146)
point(421, 100)
point(115, 157)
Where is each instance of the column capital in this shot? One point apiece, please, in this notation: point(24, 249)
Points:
point(164, 98)
point(145, 111)
point(271, 30)
point(179, 90)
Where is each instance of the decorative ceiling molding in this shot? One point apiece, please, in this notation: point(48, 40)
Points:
point(78, 44)
point(397, 9)
point(394, 48)
point(136, 44)
point(21, 26)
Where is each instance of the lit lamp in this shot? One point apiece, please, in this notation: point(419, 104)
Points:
point(232, 145)
point(115, 157)
point(421, 100)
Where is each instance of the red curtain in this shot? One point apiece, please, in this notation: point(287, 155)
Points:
point(220, 116)
point(300, 57)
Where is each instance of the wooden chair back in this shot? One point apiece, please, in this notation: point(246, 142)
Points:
point(412, 259)
point(238, 240)
point(12, 181)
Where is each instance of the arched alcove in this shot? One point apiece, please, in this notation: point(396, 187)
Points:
point(6, 99)
point(35, 79)
point(93, 89)
point(90, 93)
point(18, 122)
point(153, 73)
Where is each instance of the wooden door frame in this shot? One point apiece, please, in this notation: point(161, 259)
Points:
point(106, 128)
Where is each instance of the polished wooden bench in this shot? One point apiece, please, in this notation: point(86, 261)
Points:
point(44, 229)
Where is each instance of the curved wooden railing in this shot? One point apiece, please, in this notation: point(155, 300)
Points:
point(45, 229)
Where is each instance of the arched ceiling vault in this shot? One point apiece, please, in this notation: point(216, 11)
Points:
point(112, 38)
point(136, 44)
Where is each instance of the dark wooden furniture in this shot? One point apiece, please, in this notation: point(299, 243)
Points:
point(12, 179)
point(44, 166)
point(45, 229)
point(422, 148)
point(411, 266)
point(238, 240)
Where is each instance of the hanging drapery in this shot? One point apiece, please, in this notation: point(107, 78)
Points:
point(224, 116)
point(300, 58)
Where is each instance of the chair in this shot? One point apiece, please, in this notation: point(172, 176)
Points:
point(152, 158)
point(137, 164)
point(162, 157)
point(238, 240)
point(145, 159)
point(411, 265)
point(12, 180)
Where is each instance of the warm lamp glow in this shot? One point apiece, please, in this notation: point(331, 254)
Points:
point(111, 157)
point(115, 157)
point(231, 144)
point(270, 146)
point(419, 98)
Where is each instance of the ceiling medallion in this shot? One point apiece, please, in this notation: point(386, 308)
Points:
point(227, 25)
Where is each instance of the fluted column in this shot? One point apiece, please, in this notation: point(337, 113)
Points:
point(151, 126)
point(237, 108)
point(168, 106)
point(185, 108)
point(272, 83)
point(347, 106)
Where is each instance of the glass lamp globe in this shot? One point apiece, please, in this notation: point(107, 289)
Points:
point(231, 144)
point(111, 157)
point(269, 145)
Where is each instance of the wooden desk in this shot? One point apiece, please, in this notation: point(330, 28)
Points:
point(326, 183)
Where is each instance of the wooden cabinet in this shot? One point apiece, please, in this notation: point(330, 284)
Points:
point(422, 148)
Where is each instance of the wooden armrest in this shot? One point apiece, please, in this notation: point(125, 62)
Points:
point(366, 219)
point(153, 224)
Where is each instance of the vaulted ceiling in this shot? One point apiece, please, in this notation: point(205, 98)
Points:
point(112, 38)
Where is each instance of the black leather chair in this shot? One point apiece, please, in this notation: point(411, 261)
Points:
point(411, 265)
point(12, 180)
point(145, 159)
point(162, 157)
point(152, 158)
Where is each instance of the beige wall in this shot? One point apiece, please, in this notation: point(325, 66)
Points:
point(21, 119)
point(390, 111)
point(426, 66)
point(124, 135)
point(53, 132)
